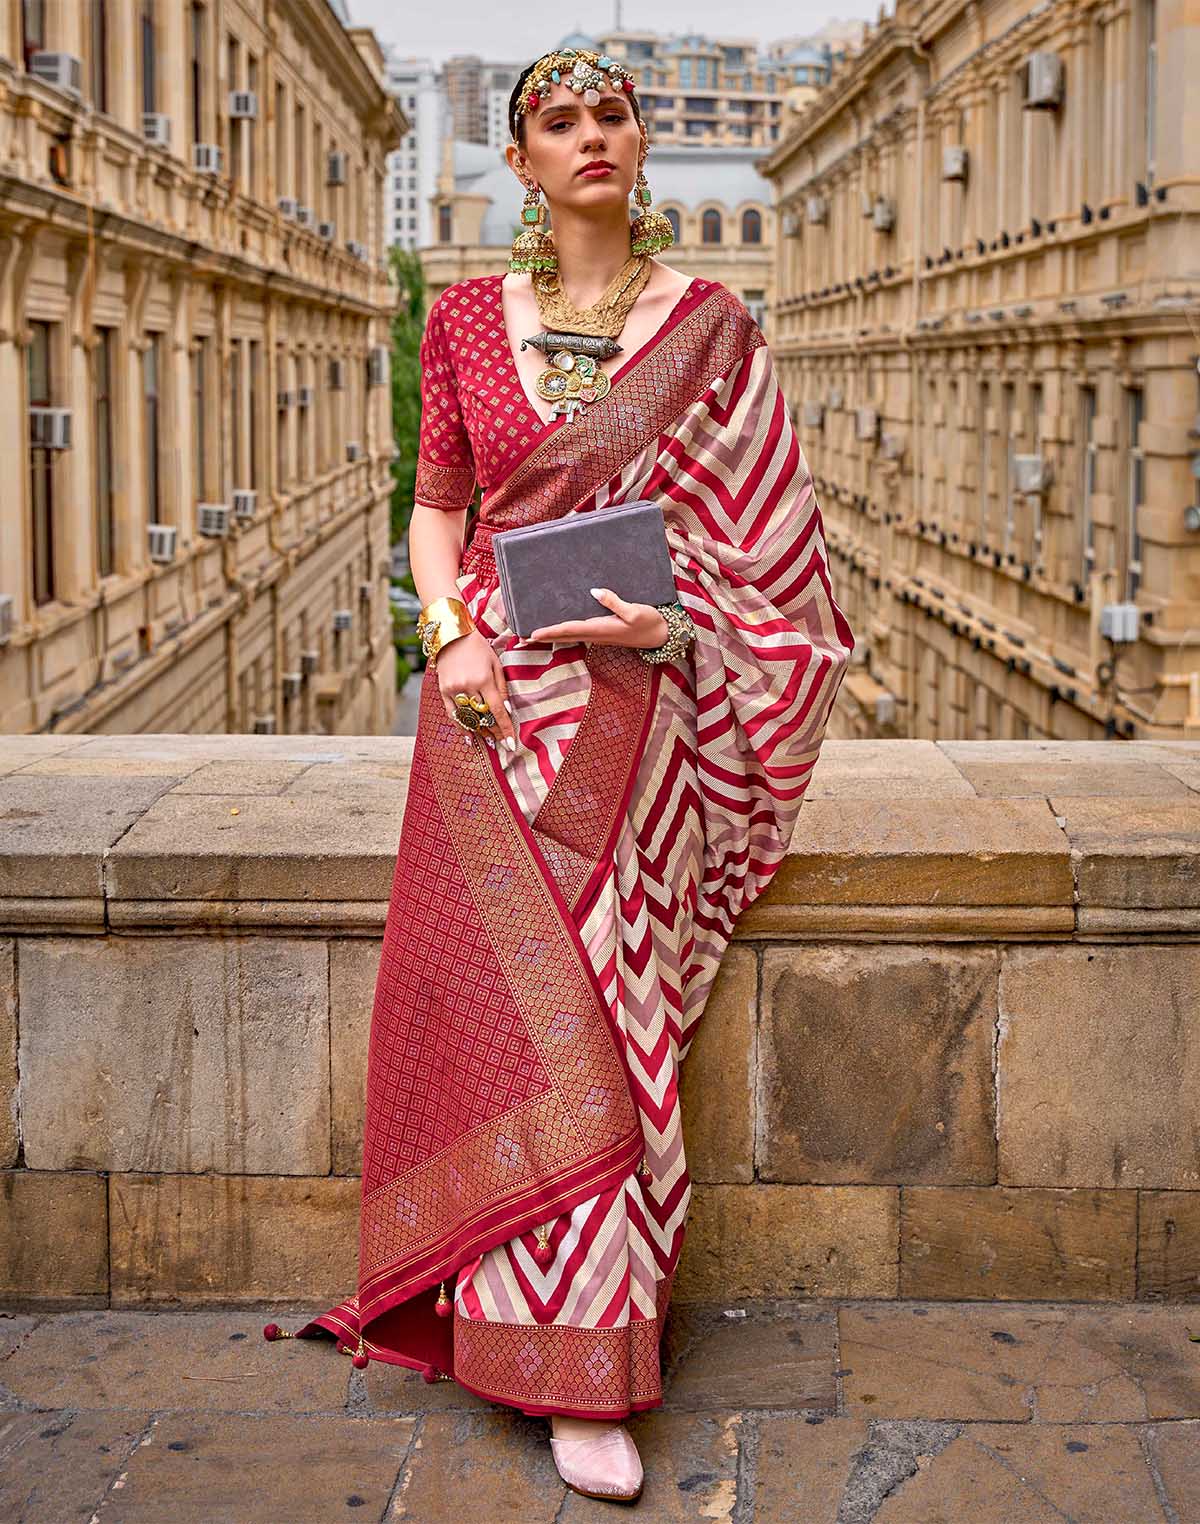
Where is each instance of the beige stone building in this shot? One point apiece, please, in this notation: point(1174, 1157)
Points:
point(987, 324)
point(718, 204)
point(194, 416)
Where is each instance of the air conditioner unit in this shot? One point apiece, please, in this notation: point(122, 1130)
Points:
point(814, 415)
point(245, 503)
point(377, 365)
point(162, 541)
point(1042, 82)
point(6, 617)
point(62, 70)
point(284, 398)
point(1031, 473)
point(337, 375)
point(790, 224)
point(891, 446)
point(327, 231)
point(206, 158)
point(883, 215)
point(287, 207)
point(156, 128)
point(954, 162)
point(354, 450)
point(308, 662)
point(304, 396)
point(816, 208)
point(50, 427)
point(212, 519)
point(866, 423)
point(1119, 622)
point(292, 684)
point(306, 217)
point(355, 249)
point(835, 399)
point(343, 619)
point(243, 105)
point(339, 164)
point(264, 724)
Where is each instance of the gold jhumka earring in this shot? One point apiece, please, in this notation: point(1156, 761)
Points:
point(533, 248)
point(649, 232)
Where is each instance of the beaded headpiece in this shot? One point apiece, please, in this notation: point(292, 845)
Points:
point(580, 70)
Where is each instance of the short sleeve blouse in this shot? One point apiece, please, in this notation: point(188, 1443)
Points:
point(445, 464)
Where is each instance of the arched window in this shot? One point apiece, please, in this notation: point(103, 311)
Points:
point(710, 226)
point(751, 226)
point(672, 217)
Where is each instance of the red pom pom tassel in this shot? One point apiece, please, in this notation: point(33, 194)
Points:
point(271, 1331)
point(543, 1254)
point(431, 1374)
point(443, 1306)
point(360, 1362)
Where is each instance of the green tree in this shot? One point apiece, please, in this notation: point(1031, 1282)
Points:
point(408, 325)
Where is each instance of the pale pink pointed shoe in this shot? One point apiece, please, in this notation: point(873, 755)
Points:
point(604, 1465)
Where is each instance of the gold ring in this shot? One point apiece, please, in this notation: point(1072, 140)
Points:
point(472, 712)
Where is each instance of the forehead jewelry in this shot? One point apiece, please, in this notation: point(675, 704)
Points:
point(581, 70)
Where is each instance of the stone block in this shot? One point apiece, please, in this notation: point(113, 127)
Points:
point(53, 1237)
point(263, 1470)
point(353, 965)
point(1078, 779)
point(1139, 853)
point(240, 776)
point(776, 1355)
point(789, 1240)
point(885, 770)
point(275, 847)
point(175, 1054)
point(213, 1238)
point(205, 1361)
point(1099, 1063)
point(716, 1079)
point(1017, 1245)
point(9, 1118)
point(59, 1466)
point(876, 1064)
point(1168, 1263)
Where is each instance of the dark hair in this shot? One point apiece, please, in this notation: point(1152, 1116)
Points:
point(521, 88)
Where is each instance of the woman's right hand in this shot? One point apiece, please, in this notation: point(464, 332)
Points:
point(470, 665)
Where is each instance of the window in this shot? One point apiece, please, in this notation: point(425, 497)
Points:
point(233, 71)
point(151, 421)
point(1087, 463)
point(1008, 402)
point(39, 361)
point(751, 226)
point(710, 226)
point(1135, 493)
point(105, 387)
point(281, 419)
point(444, 226)
point(199, 360)
point(985, 456)
point(196, 72)
point(147, 56)
point(98, 52)
point(280, 139)
point(1036, 404)
point(236, 357)
point(33, 28)
point(303, 417)
point(255, 400)
point(248, 128)
point(1150, 23)
point(299, 177)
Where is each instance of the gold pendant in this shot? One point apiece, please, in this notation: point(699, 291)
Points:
point(571, 381)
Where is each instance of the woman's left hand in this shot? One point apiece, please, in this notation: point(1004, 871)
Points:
point(629, 624)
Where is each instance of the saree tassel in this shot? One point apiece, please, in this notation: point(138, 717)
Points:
point(273, 1331)
point(359, 1358)
point(644, 1172)
point(543, 1252)
point(443, 1306)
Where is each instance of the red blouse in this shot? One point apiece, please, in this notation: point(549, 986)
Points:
point(476, 421)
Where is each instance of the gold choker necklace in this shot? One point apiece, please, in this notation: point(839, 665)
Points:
point(576, 339)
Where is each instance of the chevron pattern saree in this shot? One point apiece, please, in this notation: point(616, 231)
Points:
point(557, 916)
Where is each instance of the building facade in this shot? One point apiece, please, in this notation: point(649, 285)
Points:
point(987, 325)
point(194, 416)
point(718, 205)
point(413, 167)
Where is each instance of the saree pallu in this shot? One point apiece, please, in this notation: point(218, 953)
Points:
point(557, 916)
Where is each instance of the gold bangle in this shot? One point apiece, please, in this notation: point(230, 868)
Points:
point(441, 621)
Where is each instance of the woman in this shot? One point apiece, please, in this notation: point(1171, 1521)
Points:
point(563, 894)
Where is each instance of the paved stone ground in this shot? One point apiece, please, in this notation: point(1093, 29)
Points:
point(804, 1412)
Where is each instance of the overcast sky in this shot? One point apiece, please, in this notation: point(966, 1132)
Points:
point(518, 31)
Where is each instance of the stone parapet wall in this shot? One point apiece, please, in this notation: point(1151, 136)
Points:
point(953, 1052)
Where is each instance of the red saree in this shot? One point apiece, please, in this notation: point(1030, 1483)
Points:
point(557, 915)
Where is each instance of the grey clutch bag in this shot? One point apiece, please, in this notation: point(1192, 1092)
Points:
point(546, 569)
